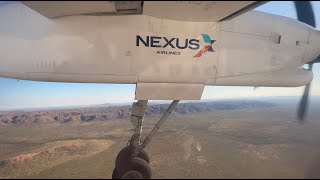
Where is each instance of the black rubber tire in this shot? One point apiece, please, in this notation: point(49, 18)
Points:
point(125, 154)
point(144, 155)
point(115, 173)
point(134, 168)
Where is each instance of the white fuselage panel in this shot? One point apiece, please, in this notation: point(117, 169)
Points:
point(144, 49)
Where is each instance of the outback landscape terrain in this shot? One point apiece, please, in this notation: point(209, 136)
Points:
point(211, 139)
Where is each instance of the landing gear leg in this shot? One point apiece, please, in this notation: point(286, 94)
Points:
point(132, 161)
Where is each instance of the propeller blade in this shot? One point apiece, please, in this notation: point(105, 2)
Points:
point(305, 14)
point(304, 100)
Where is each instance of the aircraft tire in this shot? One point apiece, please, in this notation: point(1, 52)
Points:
point(134, 168)
point(115, 173)
point(125, 154)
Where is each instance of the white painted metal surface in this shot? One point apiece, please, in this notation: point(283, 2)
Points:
point(196, 11)
point(254, 49)
point(168, 91)
point(52, 9)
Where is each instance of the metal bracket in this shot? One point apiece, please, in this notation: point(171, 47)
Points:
point(160, 122)
point(138, 109)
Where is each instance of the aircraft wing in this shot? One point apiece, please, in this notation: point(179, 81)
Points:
point(54, 9)
point(200, 11)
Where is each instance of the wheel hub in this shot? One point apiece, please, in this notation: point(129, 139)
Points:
point(132, 175)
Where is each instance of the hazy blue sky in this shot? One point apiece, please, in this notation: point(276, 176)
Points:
point(25, 94)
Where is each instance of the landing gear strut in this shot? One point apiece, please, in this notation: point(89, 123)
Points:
point(132, 161)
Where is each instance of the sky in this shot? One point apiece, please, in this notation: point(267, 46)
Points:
point(19, 94)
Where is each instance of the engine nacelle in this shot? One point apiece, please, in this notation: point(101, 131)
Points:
point(281, 78)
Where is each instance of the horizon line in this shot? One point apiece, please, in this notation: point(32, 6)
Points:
point(127, 102)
